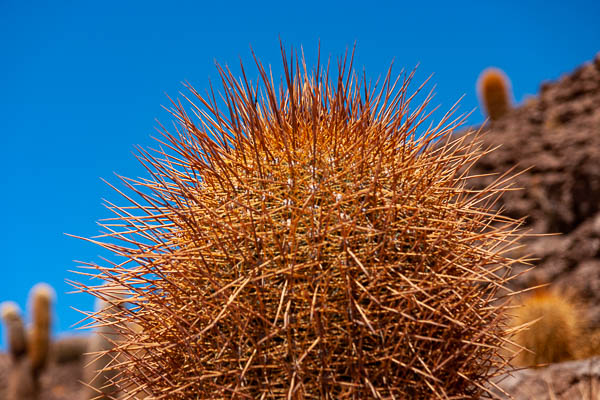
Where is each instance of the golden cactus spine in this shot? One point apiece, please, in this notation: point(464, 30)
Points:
point(554, 335)
point(316, 241)
point(494, 92)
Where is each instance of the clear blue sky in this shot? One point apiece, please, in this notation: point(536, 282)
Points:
point(82, 82)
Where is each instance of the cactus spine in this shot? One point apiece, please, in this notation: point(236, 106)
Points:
point(494, 92)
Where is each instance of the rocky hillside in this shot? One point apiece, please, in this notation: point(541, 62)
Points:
point(555, 139)
point(554, 142)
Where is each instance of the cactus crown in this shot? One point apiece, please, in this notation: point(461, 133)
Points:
point(41, 297)
point(311, 243)
point(9, 310)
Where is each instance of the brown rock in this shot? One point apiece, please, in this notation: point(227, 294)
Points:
point(563, 381)
point(556, 136)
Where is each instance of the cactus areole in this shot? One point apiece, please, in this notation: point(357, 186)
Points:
point(313, 238)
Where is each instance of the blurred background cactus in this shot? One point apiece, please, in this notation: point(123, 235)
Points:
point(558, 328)
point(15, 329)
point(32, 351)
point(29, 351)
point(554, 335)
point(494, 92)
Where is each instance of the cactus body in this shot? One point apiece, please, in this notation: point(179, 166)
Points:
point(494, 90)
point(41, 298)
point(15, 329)
point(555, 335)
point(312, 244)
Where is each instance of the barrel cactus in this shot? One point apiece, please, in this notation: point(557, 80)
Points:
point(309, 239)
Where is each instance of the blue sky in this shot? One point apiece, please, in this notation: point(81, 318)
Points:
point(81, 83)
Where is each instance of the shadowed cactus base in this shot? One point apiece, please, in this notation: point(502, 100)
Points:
point(15, 328)
point(313, 242)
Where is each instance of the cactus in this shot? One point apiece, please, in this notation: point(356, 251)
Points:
point(15, 329)
point(554, 335)
point(41, 298)
point(314, 243)
point(494, 92)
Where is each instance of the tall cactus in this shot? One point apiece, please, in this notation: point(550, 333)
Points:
point(494, 91)
point(15, 329)
point(41, 298)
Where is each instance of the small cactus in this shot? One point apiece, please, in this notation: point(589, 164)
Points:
point(41, 298)
point(494, 92)
point(555, 328)
point(15, 329)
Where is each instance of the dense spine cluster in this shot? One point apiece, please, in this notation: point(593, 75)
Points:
point(315, 242)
